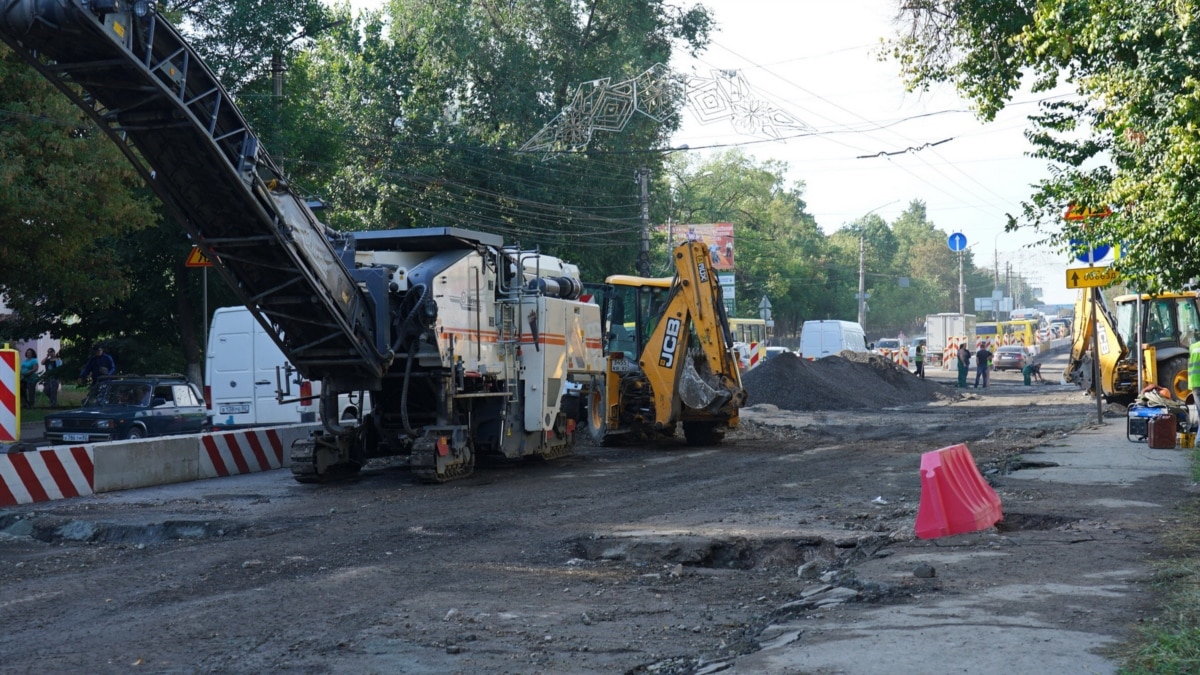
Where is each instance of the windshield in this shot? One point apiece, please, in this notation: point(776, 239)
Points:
point(118, 393)
point(887, 344)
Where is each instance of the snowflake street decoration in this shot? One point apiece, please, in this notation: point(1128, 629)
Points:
point(727, 95)
point(601, 105)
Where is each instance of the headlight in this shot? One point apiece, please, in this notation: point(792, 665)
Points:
point(143, 8)
point(104, 424)
point(54, 424)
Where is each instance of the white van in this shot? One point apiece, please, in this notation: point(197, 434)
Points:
point(240, 376)
point(822, 338)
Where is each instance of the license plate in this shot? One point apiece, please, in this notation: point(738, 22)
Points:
point(234, 409)
point(75, 438)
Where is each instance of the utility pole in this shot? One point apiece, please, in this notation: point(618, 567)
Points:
point(277, 90)
point(862, 280)
point(643, 259)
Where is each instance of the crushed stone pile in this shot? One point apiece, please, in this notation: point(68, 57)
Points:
point(849, 380)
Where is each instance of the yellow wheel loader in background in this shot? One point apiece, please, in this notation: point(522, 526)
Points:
point(1167, 325)
point(669, 359)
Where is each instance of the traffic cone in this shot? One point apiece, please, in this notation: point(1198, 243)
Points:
point(954, 497)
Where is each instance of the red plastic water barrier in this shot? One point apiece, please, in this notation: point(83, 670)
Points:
point(954, 497)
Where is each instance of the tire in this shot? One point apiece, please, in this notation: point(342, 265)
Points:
point(1173, 375)
point(135, 433)
point(597, 412)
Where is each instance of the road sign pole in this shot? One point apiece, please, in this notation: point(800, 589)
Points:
point(1097, 384)
point(204, 336)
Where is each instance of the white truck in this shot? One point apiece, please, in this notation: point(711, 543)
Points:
point(947, 328)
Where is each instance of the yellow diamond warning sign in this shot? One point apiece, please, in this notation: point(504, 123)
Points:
point(197, 259)
point(1090, 277)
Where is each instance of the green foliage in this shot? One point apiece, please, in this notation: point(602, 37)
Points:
point(427, 103)
point(782, 253)
point(1130, 138)
point(65, 194)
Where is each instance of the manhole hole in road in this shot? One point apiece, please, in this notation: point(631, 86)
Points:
point(698, 551)
point(82, 531)
point(1016, 522)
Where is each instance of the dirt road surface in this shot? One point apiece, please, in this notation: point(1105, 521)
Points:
point(788, 549)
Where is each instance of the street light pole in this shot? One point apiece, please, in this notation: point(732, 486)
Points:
point(643, 259)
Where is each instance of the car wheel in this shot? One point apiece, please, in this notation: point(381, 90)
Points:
point(135, 433)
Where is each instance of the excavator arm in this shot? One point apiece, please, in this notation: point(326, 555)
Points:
point(1080, 369)
point(688, 359)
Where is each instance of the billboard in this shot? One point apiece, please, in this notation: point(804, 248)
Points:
point(718, 237)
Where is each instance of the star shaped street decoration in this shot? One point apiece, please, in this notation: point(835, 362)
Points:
point(601, 105)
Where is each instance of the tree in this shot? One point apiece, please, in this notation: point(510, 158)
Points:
point(779, 248)
point(66, 196)
point(433, 99)
point(1127, 140)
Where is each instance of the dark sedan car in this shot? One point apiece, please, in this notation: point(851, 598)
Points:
point(1011, 357)
point(131, 406)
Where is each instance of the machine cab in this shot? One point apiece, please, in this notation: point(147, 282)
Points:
point(630, 308)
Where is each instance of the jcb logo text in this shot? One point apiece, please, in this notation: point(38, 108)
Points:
point(666, 359)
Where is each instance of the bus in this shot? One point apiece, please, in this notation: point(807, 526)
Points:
point(1022, 331)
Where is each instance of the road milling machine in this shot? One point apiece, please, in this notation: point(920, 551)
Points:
point(669, 359)
point(464, 345)
point(1165, 325)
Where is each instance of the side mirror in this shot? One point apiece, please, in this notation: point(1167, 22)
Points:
point(157, 402)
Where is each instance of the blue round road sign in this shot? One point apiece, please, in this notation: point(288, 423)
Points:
point(957, 241)
point(1089, 254)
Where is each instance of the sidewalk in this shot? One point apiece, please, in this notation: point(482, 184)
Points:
point(32, 436)
point(1061, 579)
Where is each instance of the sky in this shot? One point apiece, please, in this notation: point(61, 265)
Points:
point(876, 147)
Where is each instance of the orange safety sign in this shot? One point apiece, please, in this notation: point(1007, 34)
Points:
point(197, 259)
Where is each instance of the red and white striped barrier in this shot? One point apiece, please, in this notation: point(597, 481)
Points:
point(65, 472)
point(753, 355)
point(10, 414)
point(237, 452)
point(44, 475)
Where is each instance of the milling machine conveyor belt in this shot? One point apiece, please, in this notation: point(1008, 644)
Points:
point(153, 95)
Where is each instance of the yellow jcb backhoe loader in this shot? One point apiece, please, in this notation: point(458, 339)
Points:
point(668, 356)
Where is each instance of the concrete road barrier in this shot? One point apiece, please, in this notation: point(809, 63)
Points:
point(45, 475)
point(122, 465)
point(63, 472)
point(249, 450)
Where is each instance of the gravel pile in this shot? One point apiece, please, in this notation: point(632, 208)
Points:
point(849, 380)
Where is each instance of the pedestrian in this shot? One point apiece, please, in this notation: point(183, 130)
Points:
point(983, 364)
point(50, 383)
point(919, 360)
point(1035, 372)
point(29, 377)
point(98, 366)
point(964, 365)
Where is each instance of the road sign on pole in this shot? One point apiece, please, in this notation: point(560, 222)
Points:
point(1091, 277)
point(197, 259)
point(957, 241)
point(764, 309)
